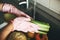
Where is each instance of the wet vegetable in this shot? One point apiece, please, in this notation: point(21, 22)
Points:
point(9, 16)
point(31, 35)
point(17, 36)
point(44, 27)
point(37, 37)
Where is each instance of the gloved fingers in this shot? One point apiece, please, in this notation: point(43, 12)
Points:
point(19, 20)
point(25, 15)
point(6, 7)
point(21, 26)
point(35, 26)
point(25, 27)
point(22, 19)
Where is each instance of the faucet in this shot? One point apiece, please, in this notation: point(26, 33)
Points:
point(25, 2)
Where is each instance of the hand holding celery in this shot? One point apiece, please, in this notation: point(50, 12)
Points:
point(35, 26)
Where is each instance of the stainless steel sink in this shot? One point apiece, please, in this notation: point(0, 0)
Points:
point(42, 15)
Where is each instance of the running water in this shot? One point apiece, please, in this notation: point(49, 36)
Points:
point(34, 9)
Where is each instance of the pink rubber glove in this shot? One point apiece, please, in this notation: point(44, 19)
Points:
point(12, 9)
point(21, 24)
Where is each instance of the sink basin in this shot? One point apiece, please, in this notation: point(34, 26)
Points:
point(42, 15)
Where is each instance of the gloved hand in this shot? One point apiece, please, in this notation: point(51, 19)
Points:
point(23, 24)
point(12, 9)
